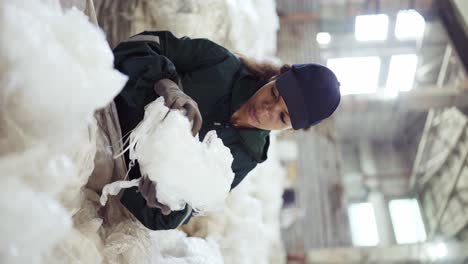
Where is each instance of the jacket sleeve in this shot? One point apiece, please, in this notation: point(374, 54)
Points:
point(153, 218)
point(189, 54)
point(147, 60)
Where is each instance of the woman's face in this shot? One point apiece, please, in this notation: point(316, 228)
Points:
point(266, 109)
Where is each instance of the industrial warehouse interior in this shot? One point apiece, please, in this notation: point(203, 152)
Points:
point(383, 180)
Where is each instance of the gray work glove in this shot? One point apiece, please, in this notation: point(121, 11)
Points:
point(148, 190)
point(175, 98)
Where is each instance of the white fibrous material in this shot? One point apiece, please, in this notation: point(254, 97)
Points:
point(227, 25)
point(129, 242)
point(31, 222)
point(185, 170)
point(174, 247)
point(251, 214)
point(52, 78)
point(260, 17)
point(83, 241)
point(115, 187)
point(56, 69)
point(81, 153)
point(44, 172)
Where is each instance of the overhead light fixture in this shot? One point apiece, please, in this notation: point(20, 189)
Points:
point(437, 251)
point(323, 38)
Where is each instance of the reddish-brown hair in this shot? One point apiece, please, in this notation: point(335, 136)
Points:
point(264, 70)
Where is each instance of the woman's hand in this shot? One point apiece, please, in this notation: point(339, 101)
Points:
point(176, 99)
point(148, 190)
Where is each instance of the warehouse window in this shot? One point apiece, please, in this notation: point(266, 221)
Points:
point(363, 224)
point(357, 75)
point(401, 74)
point(409, 25)
point(407, 221)
point(371, 27)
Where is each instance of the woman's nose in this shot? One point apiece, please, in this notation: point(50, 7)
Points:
point(268, 106)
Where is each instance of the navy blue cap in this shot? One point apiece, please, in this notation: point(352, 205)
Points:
point(311, 93)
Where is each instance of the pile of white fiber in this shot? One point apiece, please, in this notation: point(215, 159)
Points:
point(245, 26)
point(56, 69)
point(174, 247)
point(185, 170)
point(251, 214)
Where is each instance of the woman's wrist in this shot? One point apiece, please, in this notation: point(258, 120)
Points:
point(162, 86)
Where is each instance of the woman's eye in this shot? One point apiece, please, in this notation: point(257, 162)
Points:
point(282, 118)
point(273, 92)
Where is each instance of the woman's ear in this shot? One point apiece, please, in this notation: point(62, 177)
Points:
point(285, 68)
point(272, 78)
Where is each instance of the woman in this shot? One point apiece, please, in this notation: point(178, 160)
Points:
point(239, 99)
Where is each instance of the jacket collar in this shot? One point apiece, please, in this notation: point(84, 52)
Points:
point(256, 141)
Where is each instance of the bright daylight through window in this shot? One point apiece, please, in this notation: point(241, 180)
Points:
point(363, 224)
point(407, 221)
point(357, 75)
point(371, 27)
point(409, 25)
point(401, 74)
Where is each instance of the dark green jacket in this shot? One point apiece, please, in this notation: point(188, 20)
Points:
point(208, 73)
